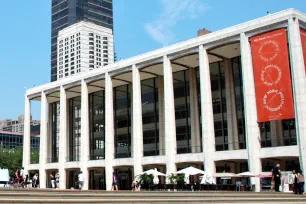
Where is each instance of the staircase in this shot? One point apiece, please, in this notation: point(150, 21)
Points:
point(76, 196)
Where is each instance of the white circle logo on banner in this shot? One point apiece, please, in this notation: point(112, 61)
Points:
point(268, 56)
point(266, 77)
point(274, 95)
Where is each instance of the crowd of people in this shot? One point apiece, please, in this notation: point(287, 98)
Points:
point(23, 179)
point(298, 180)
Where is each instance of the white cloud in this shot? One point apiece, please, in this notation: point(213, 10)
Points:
point(172, 12)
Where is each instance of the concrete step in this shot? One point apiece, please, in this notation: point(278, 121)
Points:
point(77, 196)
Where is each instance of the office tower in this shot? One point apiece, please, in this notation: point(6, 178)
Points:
point(83, 46)
point(68, 12)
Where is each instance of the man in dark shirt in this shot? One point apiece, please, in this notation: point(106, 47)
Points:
point(276, 173)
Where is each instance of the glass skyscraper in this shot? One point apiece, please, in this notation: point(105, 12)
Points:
point(68, 12)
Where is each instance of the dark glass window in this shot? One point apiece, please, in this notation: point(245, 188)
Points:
point(217, 77)
point(97, 124)
point(122, 114)
point(149, 97)
point(55, 132)
point(238, 88)
point(74, 128)
point(182, 111)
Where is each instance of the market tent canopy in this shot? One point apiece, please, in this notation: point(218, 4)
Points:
point(191, 171)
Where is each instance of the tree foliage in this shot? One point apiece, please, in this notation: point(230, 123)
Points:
point(146, 179)
point(179, 178)
point(11, 159)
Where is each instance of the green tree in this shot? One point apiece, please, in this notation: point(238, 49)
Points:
point(11, 159)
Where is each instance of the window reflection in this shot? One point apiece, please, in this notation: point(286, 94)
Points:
point(74, 128)
point(122, 114)
point(149, 97)
point(182, 111)
point(97, 124)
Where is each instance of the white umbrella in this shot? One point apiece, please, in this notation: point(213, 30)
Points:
point(224, 174)
point(186, 179)
point(153, 172)
point(246, 174)
point(155, 179)
point(208, 178)
point(191, 171)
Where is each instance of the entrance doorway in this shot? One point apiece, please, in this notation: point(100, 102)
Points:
point(72, 178)
point(125, 178)
point(97, 179)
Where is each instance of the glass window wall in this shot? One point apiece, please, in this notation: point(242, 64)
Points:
point(149, 97)
point(122, 124)
point(55, 107)
point(97, 124)
point(74, 129)
point(182, 111)
point(217, 77)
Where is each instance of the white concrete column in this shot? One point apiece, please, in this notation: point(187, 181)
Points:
point(161, 111)
point(170, 128)
point(194, 112)
point(43, 148)
point(109, 131)
point(299, 84)
point(27, 135)
point(137, 122)
point(233, 141)
point(84, 132)
point(251, 125)
point(63, 137)
point(208, 132)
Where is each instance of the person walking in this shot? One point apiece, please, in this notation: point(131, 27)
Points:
point(81, 180)
point(295, 182)
point(57, 176)
point(300, 179)
point(276, 174)
point(52, 180)
point(114, 182)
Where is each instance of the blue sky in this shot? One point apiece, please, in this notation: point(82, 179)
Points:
point(139, 26)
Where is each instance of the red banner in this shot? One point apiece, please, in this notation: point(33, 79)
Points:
point(303, 39)
point(272, 76)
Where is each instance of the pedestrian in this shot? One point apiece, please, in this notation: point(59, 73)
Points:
point(137, 186)
point(238, 185)
point(276, 173)
point(57, 176)
point(295, 182)
point(37, 181)
point(114, 182)
point(52, 179)
point(300, 178)
point(34, 179)
point(22, 172)
point(133, 185)
point(81, 180)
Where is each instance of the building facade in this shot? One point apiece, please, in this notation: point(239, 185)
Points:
point(82, 47)
point(68, 12)
point(18, 125)
point(190, 104)
point(12, 140)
